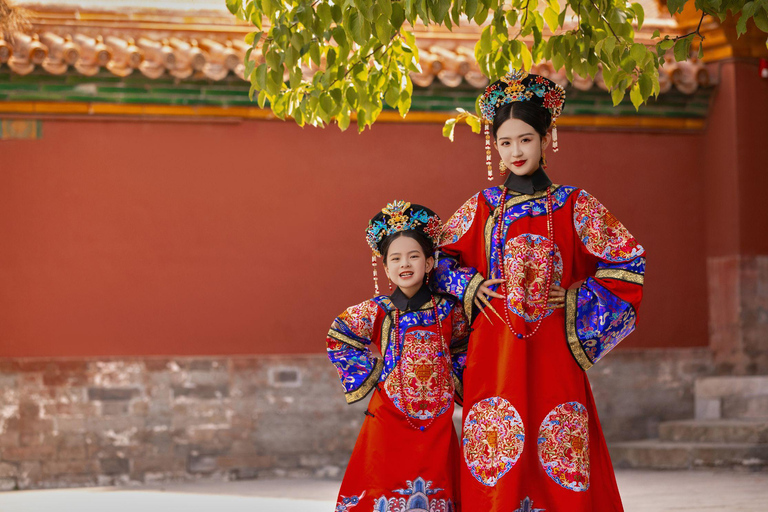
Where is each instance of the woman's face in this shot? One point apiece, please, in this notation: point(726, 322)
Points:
point(406, 265)
point(519, 146)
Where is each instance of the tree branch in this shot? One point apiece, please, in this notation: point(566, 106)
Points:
point(695, 32)
point(605, 20)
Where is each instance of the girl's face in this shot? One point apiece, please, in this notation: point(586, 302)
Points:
point(519, 146)
point(406, 265)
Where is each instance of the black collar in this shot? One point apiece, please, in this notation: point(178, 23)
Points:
point(403, 303)
point(528, 184)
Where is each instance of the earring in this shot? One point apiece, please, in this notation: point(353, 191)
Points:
point(502, 168)
point(543, 159)
point(390, 287)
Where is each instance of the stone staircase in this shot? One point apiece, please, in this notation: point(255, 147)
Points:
point(730, 430)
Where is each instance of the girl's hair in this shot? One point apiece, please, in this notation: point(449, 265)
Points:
point(539, 118)
point(424, 243)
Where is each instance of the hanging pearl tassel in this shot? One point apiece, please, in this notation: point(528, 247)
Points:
point(554, 139)
point(375, 273)
point(488, 162)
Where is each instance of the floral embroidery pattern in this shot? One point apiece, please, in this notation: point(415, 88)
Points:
point(493, 438)
point(460, 222)
point(602, 319)
point(526, 263)
point(564, 446)
point(424, 371)
point(346, 503)
point(417, 496)
point(602, 233)
point(359, 319)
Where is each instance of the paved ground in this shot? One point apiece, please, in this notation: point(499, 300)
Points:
point(642, 491)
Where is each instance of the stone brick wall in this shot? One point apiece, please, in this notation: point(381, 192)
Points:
point(115, 421)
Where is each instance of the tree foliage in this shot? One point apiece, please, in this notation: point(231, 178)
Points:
point(357, 55)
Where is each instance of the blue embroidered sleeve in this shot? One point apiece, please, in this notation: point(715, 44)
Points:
point(603, 310)
point(348, 345)
point(460, 282)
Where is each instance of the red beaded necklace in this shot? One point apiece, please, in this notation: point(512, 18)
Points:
point(441, 366)
point(500, 254)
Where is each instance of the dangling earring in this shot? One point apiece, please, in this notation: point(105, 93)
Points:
point(390, 286)
point(502, 168)
point(543, 159)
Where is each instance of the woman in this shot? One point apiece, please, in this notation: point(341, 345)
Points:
point(531, 438)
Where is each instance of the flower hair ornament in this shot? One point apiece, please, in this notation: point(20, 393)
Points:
point(519, 85)
point(400, 216)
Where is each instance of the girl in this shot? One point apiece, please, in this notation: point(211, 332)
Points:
point(531, 438)
point(407, 454)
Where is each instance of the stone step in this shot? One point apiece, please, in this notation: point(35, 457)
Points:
point(731, 397)
point(715, 431)
point(656, 454)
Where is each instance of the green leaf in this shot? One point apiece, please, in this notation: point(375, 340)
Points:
point(324, 13)
point(471, 9)
point(342, 120)
point(701, 50)
point(551, 17)
point(640, 14)
point(405, 103)
point(314, 53)
point(383, 28)
point(392, 96)
point(473, 122)
point(386, 7)
point(761, 19)
point(638, 52)
point(656, 34)
point(398, 15)
point(252, 38)
point(635, 96)
point(525, 54)
point(617, 95)
point(683, 48)
point(448, 128)
point(234, 5)
point(666, 44)
point(646, 85)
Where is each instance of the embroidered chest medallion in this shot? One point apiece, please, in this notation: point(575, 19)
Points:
point(526, 260)
point(421, 385)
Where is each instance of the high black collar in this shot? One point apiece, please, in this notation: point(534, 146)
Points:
point(403, 303)
point(528, 184)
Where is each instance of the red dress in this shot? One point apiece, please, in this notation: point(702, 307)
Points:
point(531, 437)
point(407, 454)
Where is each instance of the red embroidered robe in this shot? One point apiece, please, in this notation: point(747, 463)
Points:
point(407, 454)
point(531, 438)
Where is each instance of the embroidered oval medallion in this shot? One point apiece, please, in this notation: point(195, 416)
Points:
point(492, 439)
point(526, 261)
point(564, 446)
point(425, 376)
point(602, 233)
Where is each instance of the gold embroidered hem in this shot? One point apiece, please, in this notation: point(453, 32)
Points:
point(570, 331)
point(470, 291)
point(621, 275)
point(367, 385)
point(346, 339)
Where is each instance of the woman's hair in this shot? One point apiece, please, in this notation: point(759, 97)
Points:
point(539, 118)
point(424, 243)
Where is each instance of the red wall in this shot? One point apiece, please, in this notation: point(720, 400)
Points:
point(143, 238)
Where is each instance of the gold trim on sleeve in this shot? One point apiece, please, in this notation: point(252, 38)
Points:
point(469, 293)
point(570, 331)
point(458, 389)
point(386, 327)
point(367, 385)
point(346, 339)
point(621, 275)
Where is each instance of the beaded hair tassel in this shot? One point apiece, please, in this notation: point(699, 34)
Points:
point(488, 162)
point(375, 273)
point(554, 138)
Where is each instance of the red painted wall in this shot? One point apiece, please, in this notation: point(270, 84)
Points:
point(142, 238)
